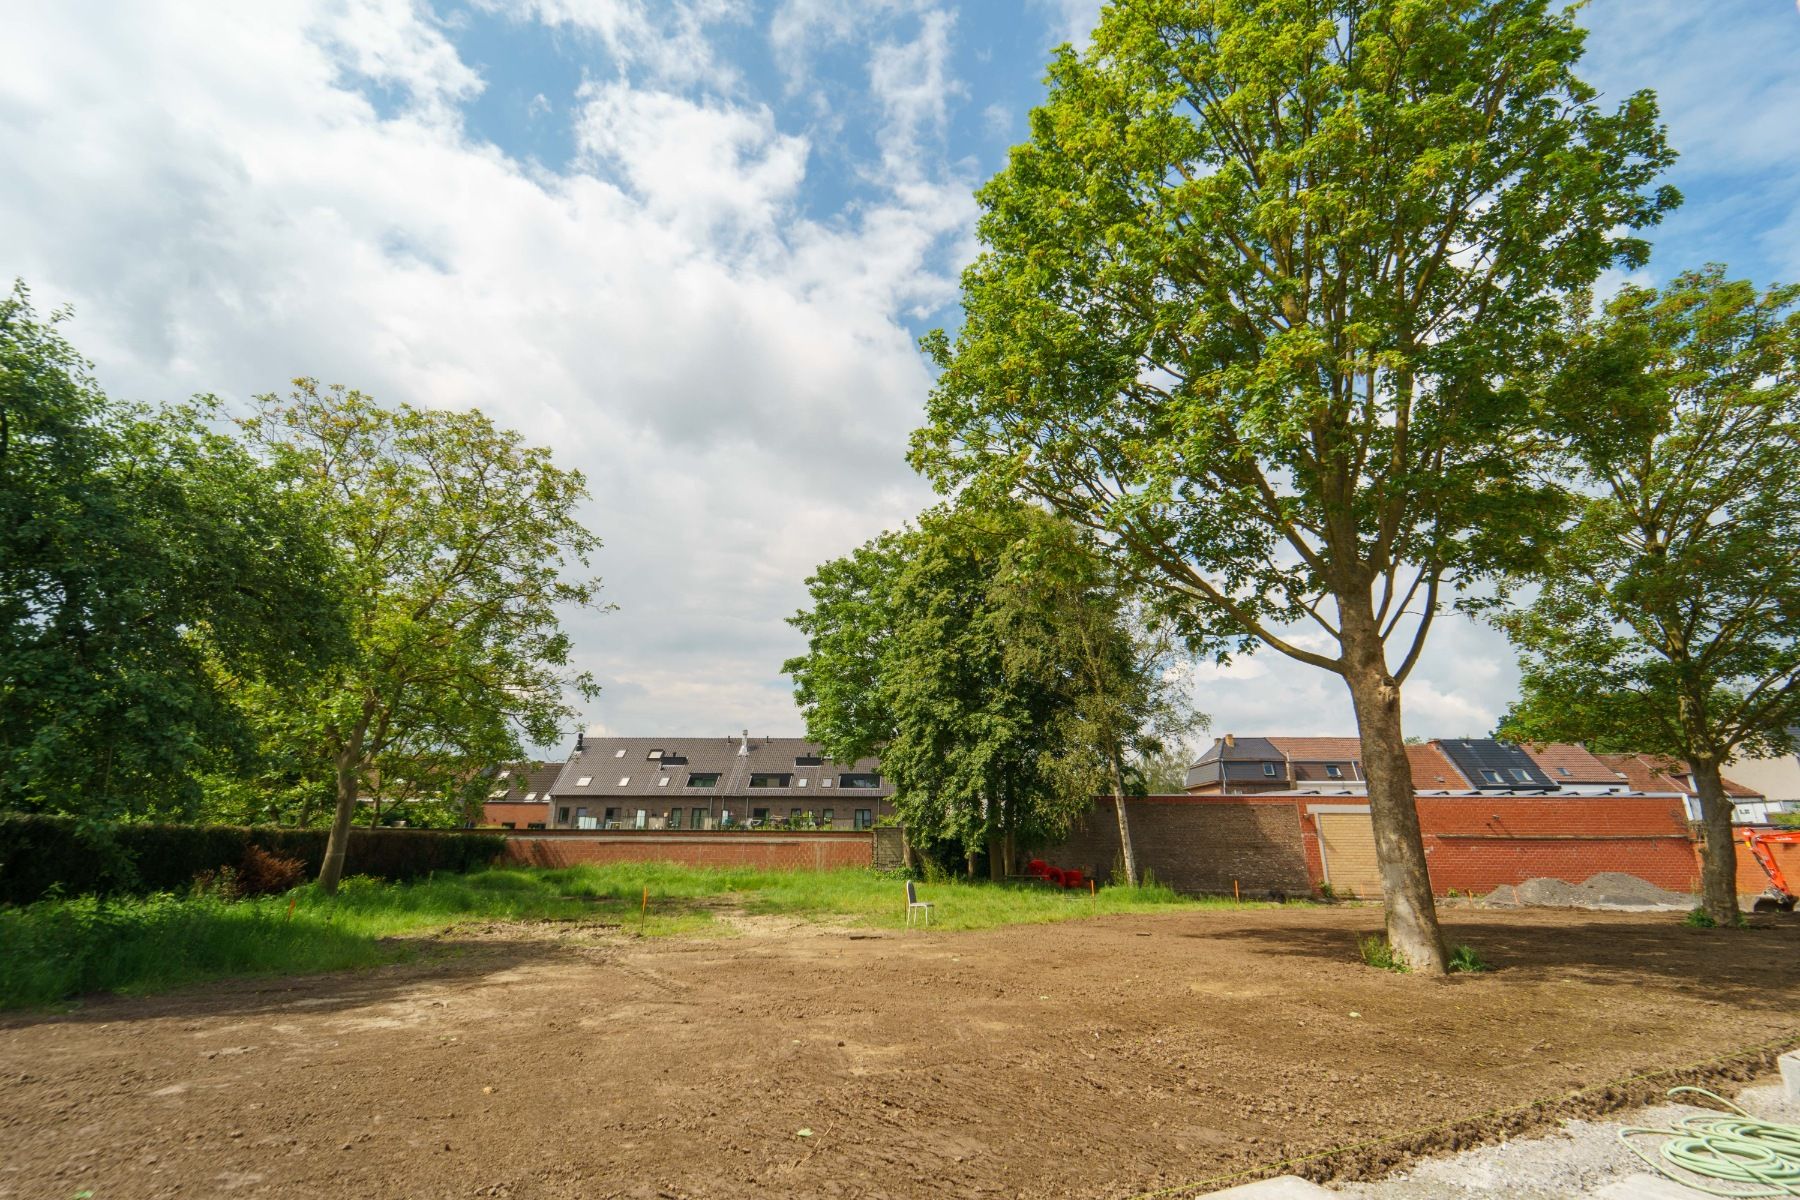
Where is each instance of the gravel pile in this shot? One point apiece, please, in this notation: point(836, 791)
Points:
point(1609, 889)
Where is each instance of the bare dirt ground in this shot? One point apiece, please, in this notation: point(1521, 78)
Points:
point(1102, 1058)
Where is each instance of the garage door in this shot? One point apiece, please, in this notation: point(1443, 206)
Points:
point(1349, 843)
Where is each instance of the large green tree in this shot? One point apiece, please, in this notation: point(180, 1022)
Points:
point(980, 656)
point(452, 535)
point(1669, 614)
point(146, 563)
point(1250, 303)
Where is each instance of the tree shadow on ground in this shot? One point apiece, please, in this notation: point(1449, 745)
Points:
point(437, 960)
point(1755, 968)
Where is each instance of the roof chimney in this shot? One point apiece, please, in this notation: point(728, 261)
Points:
point(744, 746)
point(580, 739)
point(1231, 739)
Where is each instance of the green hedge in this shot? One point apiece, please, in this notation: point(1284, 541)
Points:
point(38, 853)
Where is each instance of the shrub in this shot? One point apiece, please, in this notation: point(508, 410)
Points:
point(265, 873)
point(1378, 952)
point(41, 853)
point(1464, 959)
point(1699, 918)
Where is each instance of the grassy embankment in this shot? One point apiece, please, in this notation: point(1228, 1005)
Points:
point(55, 949)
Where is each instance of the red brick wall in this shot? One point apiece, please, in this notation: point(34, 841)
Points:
point(1475, 844)
point(520, 815)
point(803, 851)
point(1199, 843)
point(1472, 844)
point(1750, 878)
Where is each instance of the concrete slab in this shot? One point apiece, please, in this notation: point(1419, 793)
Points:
point(1285, 1187)
point(1790, 1075)
point(1645, 1187)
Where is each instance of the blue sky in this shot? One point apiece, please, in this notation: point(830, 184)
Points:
point(687, 243)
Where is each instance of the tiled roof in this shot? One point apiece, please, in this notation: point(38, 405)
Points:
point(1432, 771)
point(1241, 749)
point(1653, 772)
point(1569, 762)
point(520, 779)
point(604, 761)
point(1319, 749)
point(1488, 762)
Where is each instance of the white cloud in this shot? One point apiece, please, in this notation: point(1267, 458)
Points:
point(1070, 20)
point(231, 210)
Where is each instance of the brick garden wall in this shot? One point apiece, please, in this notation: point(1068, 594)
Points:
point(1472, 844)
point(802, 851)
point(1476, 844)
point(1198, 843)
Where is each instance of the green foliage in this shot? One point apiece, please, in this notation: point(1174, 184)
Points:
point(1378, 952)
point(452, 535)
point(1465, 960)
point(148, 567)
point(1255, 297)
point(1668, 616)
point(44, 855)
point(1667, 619)
point(986, 655)
point(1699, 918)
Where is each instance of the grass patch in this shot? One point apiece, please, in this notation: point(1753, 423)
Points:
point(55, 949)
point(1465, 960)
point(1378, 952)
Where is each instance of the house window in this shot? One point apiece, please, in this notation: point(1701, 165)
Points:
point(1565, 772)
point(1521, 774)
point(800, 782)
point(580, 813)
point(769, 780)
point(1333, 771)
point(794, 814)
point(507, 825)
point(1269, 770)
point(530, 796)
point(663, 782)
point(653, 755)
point(825, 782)
point(1492, 777)
point(699, 821)
point(865, 817)
point(584, 781)
point(703, 779)
point(674, 818)
point(759, 815)
point(861, 779)
point(612, 814)
point(825, 817)
point(808, 760)
point(618, 754)
point(534, 825)
point(624, 779)
point(562, 814)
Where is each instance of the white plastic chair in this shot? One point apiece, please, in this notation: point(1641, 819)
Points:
point(915, 906)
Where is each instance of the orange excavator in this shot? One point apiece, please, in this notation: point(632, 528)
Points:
point(1780, 897)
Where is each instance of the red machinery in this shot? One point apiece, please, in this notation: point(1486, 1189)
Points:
point(1780, 897)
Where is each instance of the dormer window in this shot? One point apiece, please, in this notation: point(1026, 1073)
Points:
point(1333, 771)
point(859, 779)
point(1269, 770)
point(769, 779)
point(808, 760)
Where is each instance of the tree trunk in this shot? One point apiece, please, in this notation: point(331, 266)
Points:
point(1718, 852)
point(1125, 851)
point(347, 760)
point(1412, 925)
point(996, 851)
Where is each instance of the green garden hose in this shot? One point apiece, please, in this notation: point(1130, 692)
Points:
point(1762, 1157)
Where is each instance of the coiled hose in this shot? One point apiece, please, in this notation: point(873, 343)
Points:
point(1761, 1157)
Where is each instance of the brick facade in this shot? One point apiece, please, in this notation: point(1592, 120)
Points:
point(517, 815)
point(799, 851)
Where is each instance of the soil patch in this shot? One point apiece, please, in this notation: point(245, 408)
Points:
point(1083, 1059)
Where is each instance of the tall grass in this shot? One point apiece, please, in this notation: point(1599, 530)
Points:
point(55, 949)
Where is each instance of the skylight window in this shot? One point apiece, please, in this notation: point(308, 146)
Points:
point(1564, 772)
point(800, 782)
point(1521, 774)
point(619, 753)
point(624, 779)
point(1334, 771)
point(1269, 770)
point(1492, 777)
point(825, 782)
point(584, 781)
point(530, 796)
point(653, 755)
point(663, 782)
